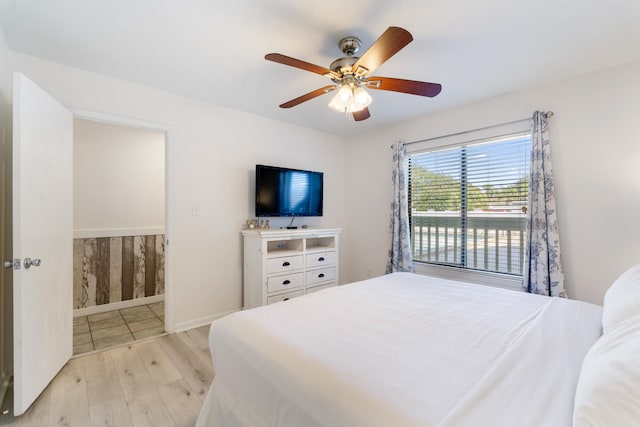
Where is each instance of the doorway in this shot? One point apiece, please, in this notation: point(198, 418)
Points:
point(41, 236)
point(119, 234)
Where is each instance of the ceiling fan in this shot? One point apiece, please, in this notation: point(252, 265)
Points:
point(351, 74)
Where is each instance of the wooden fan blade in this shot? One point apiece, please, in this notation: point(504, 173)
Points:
point(363, 114)
point(307, 96)
point(406, 86)
point(387, 45)
point(297, 63)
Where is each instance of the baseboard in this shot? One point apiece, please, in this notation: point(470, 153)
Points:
point(96, 309)
point(202, 321)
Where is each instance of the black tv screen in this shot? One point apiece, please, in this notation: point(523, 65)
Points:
point(288, 192)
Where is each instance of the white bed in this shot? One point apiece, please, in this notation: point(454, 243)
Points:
point(401, 350)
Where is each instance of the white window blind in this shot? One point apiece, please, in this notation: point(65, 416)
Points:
point(468, 204)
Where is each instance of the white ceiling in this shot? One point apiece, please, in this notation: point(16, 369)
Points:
point(214, 50)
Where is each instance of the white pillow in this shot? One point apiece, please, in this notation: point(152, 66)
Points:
point(608, 390)
point(622, 299)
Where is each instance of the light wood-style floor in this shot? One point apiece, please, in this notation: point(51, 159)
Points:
point(158, 382)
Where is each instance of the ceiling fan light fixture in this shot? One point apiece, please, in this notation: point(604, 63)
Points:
point(361, 98)
point(345, 94)
point(350, 99)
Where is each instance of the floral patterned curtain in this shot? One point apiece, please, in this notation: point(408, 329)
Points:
point(542, 269)
point(400, 258)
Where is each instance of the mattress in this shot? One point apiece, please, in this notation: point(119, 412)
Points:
point(401, 350)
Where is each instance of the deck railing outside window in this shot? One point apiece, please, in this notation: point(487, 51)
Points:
point(494, 240)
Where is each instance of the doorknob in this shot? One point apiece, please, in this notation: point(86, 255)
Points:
point(15, 264)
point(28, 262)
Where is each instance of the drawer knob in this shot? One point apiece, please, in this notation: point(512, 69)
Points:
point(286, 282)
point(285, 299)
point(321, 275)
point(321, 258)
point(286, 264)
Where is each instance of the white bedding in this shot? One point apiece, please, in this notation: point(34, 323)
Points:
point(401, 350)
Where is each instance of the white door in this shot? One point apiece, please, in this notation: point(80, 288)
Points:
point(42, 233)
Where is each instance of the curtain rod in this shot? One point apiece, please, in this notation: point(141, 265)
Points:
point(547, 114)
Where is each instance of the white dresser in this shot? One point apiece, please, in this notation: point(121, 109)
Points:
point(282, 264)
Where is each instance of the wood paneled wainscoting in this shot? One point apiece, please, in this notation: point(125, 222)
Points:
point(113, 269)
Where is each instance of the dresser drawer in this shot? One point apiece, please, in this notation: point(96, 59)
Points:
point(321, 258)
point(280, 265)
point(320, 287)
point(287, 281)
point(320, 275)
point(284, 297)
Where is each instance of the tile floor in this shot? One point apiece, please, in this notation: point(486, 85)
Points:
point(104, 330)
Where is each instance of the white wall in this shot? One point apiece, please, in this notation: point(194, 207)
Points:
point(5, 72)
point(211, 156)
point(118, 179)
point(212, 152)
point(595, 140)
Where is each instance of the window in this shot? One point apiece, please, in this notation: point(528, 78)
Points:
point(468, 204)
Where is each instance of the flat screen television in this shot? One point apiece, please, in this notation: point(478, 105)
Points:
point(288, 192)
